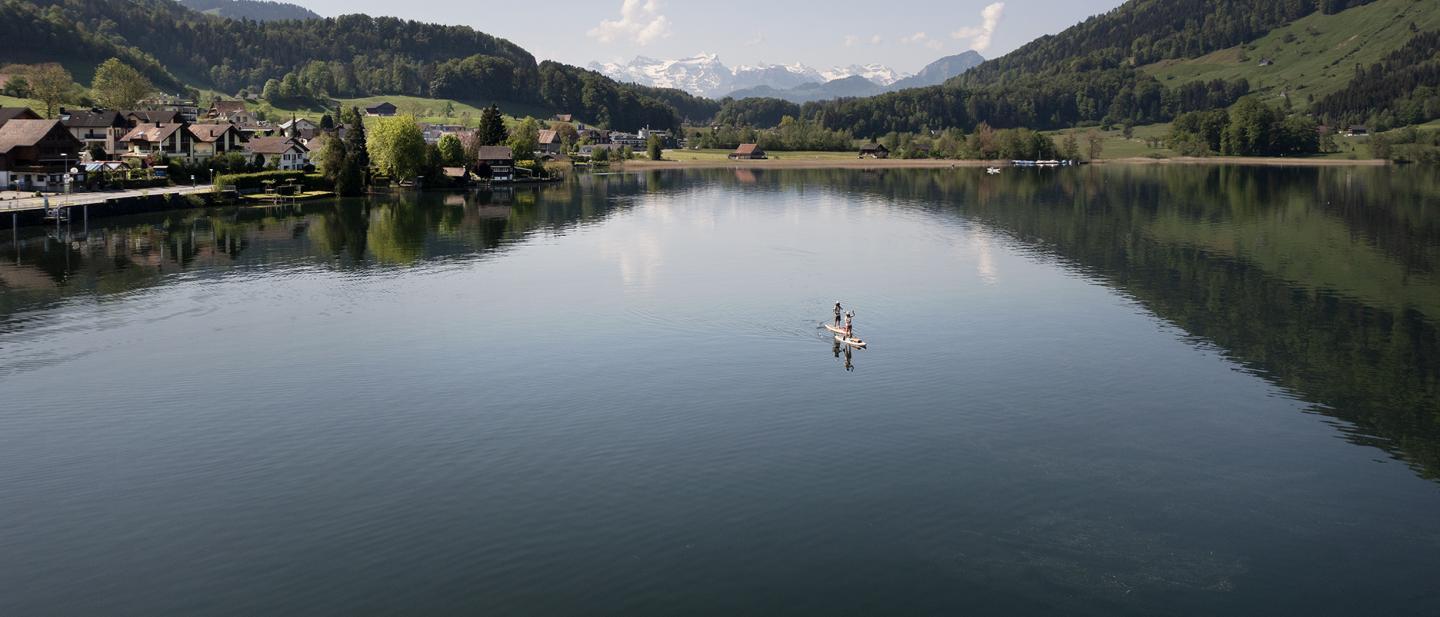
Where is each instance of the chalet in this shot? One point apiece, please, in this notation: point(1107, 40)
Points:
point(874, 151)
point(36, 154)
point(17, 113)
point(433, 132)
point(550, 143)
point(233, 112)
point(385, 109)
point(184, 108)
point(212, 139)
point(172, 139)
point(283, 153)
point(1357, 131)
point(299, 124)
point(496, 163)
point(150, 116)
point(563, 118)
point(96, 127)
point(749, 152)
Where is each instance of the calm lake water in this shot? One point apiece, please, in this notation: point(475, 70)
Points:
point(1092, 391)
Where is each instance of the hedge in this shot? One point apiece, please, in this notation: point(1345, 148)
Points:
point(256, 180)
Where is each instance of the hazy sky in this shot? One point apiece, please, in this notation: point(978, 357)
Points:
point(904, 34)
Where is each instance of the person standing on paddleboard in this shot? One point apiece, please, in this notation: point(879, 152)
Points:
point(838, 312)
point(850, 325)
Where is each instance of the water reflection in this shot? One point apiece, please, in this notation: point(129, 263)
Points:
point(1324, 281)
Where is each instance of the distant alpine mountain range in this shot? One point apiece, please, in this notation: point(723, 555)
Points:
point(705, 75)
point(934, 74)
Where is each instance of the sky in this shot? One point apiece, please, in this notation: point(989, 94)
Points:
point(902, 34)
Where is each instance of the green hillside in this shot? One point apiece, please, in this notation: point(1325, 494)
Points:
point(348, 57)
point(1312, 56)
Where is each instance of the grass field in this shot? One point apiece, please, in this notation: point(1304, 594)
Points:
point(1313, 56)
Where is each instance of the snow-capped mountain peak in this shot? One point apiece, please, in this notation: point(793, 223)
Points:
point(704, 74)
point(877, 73)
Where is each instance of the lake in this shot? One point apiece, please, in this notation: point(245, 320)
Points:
point(1111, 390)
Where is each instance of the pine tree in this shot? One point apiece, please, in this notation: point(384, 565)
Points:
point(492, 127)
point(355, 145)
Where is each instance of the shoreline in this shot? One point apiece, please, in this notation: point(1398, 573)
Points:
point(783, 163)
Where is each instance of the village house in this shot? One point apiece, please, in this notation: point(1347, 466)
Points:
point(588, 150)
point(36, 154)
point(104, 128)
point(17, 113)
point(563, 118)
point(748, 151)
point(550, 143)
point(280, 152)
point(385, 109)
point(620, 138)
point(1357, 131)
point(213, 139)
point(138, 117)
point(183, 107)
point(233, 112)
point(496, 163)
point(874, 151)
point(171, 139)
point(433, 132)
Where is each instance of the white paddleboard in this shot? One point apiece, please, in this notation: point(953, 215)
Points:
point(853, 342)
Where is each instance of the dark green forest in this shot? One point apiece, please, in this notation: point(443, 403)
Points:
point(347, 56)
point(1088, 75)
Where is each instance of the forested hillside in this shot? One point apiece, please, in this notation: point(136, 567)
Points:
point(345, 57)
point(258, 10)
point(1089, 73)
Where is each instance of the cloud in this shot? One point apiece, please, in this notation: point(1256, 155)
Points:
point(852, 40)
point(920, 38)
point(979, 36)
point(758, 39)
point(640, 21)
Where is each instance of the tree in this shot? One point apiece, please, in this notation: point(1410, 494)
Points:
point(118, 85)
point(526, 139)
point(17, 87)
point(1070, 147)
point(356, 145)
point(397, 147)
point(326, 122)
point(600, 154)
point(452, 152)
point(332, 157)
point(97, 152)
point(652, 147)
point(492, 127)
point(51, 83)
point(1097, 144)
point(271, 91)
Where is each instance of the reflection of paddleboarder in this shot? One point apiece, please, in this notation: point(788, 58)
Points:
point(849, 353)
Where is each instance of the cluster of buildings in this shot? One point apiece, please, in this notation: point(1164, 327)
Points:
point(38, 154)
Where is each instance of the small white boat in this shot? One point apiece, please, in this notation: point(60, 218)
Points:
point(992, 170)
